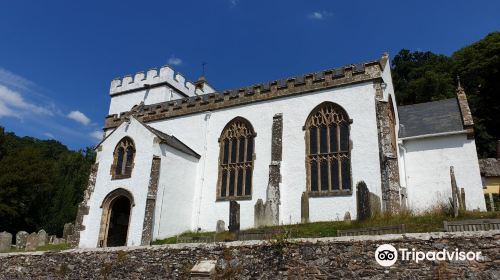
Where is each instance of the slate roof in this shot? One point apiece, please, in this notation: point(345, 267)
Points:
point(172, 141)
point(430, 118)
point(489, 167)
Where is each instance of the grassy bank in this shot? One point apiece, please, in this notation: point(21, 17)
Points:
point(429, 221)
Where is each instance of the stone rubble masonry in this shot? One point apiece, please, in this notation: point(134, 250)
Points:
point(83, 207)
point(347, 75)
point(388, 156)
point(147, 229)
point(267, 214)
point(322, 258)
point(5, 241)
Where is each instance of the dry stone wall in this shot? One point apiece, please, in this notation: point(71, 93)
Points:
point(325, 258)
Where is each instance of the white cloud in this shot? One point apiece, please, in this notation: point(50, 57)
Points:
point(49, 135)
point(319, 15)
point(174, 60)
point(13, 104)
point(97, 135)
point(234, 2)
point(12, 80)
point(79, 117)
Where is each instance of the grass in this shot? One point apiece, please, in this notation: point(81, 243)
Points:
point(428, 221)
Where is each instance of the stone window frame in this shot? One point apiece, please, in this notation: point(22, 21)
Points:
point(237, 128)
point(127, 164)
point(338, 115)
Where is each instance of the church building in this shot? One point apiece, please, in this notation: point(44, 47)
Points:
point(180, 156)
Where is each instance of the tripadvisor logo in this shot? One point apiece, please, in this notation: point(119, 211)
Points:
point(387, 255)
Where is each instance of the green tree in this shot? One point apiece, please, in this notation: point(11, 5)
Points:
point(479, 68)
point(424, 76)
point(41, 183)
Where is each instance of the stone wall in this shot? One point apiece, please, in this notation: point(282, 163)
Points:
point(336, 258)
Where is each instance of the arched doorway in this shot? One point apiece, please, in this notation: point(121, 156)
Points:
point(118, 222)
point(116, 211)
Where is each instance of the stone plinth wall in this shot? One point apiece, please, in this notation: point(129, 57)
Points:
point(325, 258)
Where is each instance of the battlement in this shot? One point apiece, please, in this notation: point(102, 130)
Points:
point(155, 78)
point(346, 75)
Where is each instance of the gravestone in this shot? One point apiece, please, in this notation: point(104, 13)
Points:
point(5, 241)
point(68, 231)
point(52, 238)
point(203, 270)
point(234, 216)
point(32, 242)
point(221, 226)
point(21, 237)
point(363, 201)
point(43, 238)
point(455, 199)
point(259, 213)
point(347, 217)
point(304, 208)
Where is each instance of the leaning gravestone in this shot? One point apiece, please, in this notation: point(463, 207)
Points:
point(32, 241)
point(363, 201)
point(5, 241)
point(43, 238)
point(21, 238)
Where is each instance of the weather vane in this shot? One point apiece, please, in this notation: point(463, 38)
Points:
point(203, 67)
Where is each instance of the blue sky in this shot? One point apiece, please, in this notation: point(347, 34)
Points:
point(57, 58)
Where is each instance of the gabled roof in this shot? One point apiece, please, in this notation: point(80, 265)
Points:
point(489, 167)
point(169, 140)
point(172, 141)
point(430, 118)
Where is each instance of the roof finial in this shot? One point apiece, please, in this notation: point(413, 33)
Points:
point(458, 81)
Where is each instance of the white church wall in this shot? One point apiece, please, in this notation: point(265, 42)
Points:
point(125, 102)
point(176, 193)
point(428, 162)
point(137, 184)
point(196, 130)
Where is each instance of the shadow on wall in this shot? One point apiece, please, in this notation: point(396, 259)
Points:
point(436, 143)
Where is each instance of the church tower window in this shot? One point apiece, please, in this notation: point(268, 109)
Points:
point(236, 160)
point(328, 159)
point(123, 162)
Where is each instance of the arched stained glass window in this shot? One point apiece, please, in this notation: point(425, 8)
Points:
point(123, 162)
point(236, 160)
point(328, 159)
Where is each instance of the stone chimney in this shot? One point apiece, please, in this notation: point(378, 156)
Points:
point(467, 121)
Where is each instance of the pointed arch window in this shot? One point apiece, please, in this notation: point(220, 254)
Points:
point(236, 160)
point(123, 159)
point(328, 156)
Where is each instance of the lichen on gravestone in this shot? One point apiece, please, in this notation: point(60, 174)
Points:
point(5, 241)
